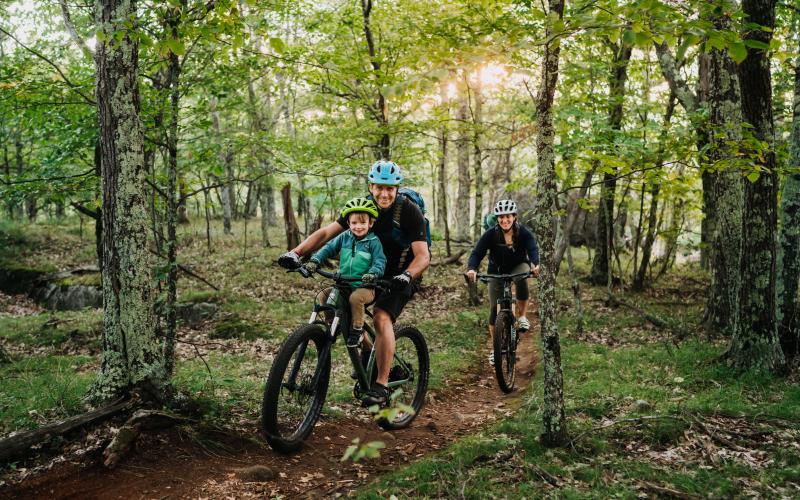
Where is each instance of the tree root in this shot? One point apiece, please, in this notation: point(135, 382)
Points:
point(128, 433)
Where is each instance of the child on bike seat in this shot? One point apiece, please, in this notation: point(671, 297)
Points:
point(360, 254)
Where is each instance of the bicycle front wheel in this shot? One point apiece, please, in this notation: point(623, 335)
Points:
point(408, 377)
point(296, 388)
point(504, 351)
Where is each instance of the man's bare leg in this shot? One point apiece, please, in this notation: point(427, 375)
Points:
point(384, 344)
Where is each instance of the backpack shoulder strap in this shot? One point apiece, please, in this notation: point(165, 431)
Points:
point(398, 209)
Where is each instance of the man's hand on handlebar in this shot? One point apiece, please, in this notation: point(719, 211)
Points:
point(290, 260)
point(535, 271)
point(472, 275)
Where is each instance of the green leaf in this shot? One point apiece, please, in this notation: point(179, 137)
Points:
point(738, 52)
point(277, 45)
point(753, 176)
point(756, 44)
point(629, 38)
point(175, 46)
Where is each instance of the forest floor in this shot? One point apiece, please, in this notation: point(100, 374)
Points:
point(650, 410)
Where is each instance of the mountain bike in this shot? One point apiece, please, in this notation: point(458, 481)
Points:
point(298, 379)
point(504, 343)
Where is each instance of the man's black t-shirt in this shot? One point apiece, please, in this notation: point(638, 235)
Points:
point(412, 225)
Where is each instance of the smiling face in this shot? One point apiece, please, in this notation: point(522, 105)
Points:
point(360, 223)
point(506, 221)
point(384, 195)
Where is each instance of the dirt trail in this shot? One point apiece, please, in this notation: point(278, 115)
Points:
point(170, 465)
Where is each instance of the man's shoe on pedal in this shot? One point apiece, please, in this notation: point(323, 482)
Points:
point(377, 395)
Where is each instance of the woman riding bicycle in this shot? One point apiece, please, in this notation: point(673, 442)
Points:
point(512, 250)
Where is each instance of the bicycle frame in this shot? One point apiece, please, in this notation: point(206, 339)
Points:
point(341, 316)
point(505, 300)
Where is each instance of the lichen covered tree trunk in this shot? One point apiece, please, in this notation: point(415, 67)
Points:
point(724, 125)
point(462, 159)
point(442, 214)
point(555, 431)
point(789, 261)
point(754, 344)
point(132, 353)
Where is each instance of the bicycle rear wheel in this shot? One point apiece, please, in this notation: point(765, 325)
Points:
point(408, 374)
point(296, 388)
point(504, 347)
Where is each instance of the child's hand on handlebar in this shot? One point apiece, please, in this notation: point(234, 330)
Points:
point(472, 275)
point(535, 271)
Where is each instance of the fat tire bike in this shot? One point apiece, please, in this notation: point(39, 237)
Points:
point(506, 338)
point(297, 384)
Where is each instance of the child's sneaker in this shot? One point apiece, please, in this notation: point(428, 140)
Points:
point(523, 325)
point(354, 337)
point(378, 395)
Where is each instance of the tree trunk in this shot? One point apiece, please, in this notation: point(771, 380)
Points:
point(601, 267)
point(462, 152)
point(443, 212)
point(725, 117)
point(132, 354)
point(573, 210)
point(380, 109)
point(292, 229)
point(226, 190)
point(789, 261)
point(183, 212)
point(477, 163)
point(173, 83)
point(755, 342)
point(555, 427)
point(655, 189)
point(264, 203)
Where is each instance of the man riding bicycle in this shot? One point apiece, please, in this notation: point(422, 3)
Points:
point(399, 221)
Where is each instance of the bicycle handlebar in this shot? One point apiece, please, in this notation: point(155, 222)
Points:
point(486, 277)
point(343, 279)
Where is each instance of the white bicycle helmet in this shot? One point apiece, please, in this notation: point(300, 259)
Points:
point(503, 207)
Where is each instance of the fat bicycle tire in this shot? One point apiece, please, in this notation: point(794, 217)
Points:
point(283, 405)
point(504, 351)
point(413, 364)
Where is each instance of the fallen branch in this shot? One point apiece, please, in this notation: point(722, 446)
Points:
point(19, 444)
point(453, 259)
point(546, 476)
point(680, 332)
point(622, 421)
point(667, 492)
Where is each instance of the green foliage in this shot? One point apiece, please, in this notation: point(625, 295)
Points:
point(359, 450)
point(40, 388)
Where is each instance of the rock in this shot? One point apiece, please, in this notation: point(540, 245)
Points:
point(641, 405)
point(194, 314)
point(68, 297)
point(255, 474)
point(388, 436)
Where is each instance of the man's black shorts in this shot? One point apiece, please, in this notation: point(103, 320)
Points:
point(394, 301)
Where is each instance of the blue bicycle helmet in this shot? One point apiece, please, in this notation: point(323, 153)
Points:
point(386, 173)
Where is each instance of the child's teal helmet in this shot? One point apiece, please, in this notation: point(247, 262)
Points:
point(363, 205)
point(386, 173)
